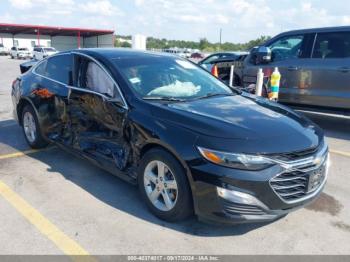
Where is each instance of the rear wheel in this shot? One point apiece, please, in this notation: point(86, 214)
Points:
point(164, 187)
point(31, 128)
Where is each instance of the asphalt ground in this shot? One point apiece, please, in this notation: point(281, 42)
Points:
point(54, 203)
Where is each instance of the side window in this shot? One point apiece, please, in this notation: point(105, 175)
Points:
point(91, 76)
point(287, 47)
point(41, 68)
point(210, 59)
point(332, 45)
point(59, 68)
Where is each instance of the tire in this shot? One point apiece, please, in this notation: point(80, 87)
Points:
point(181, 198)
point(12, 57)
point(30, 123)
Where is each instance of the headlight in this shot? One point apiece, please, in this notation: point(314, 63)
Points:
point(238, 161)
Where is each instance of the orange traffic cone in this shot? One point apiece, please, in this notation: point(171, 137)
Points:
point(215, 71)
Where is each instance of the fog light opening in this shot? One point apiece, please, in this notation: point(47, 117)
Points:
point(239, 197)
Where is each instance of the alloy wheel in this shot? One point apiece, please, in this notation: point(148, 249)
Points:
point(160, 185)
point(29, 126)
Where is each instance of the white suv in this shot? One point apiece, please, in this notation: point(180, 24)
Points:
point(42, 52)
point(20, 52)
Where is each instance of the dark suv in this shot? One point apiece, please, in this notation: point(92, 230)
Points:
point(314, 64)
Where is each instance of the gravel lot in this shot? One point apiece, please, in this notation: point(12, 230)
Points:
point(104, 215)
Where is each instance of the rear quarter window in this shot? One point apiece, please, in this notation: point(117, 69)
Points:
point(60, 68)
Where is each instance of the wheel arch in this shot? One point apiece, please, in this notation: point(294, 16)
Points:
point(158, 144)
point(20, 106)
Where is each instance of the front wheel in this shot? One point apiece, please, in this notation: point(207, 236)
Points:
point(164, 186)
point(31, 128)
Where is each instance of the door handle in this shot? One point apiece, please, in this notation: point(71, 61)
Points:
point(344, 69)
point(292, 68)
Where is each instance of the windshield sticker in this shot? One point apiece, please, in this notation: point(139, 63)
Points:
point(185, 64)
point(135, 80)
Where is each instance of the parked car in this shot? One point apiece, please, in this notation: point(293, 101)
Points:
point(197, 55)
point(208, 62)
point(3, 50)
point(190, 143)
point(314, 64)
point(42, 52)
point(20, 52)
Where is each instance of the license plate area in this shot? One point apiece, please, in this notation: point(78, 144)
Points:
point(316, 178)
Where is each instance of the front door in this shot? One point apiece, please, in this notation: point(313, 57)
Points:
point(98, 115)
point(287, 53)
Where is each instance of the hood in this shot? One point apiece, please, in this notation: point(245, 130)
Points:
point(244, 117)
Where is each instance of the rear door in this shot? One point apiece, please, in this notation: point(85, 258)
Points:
point(327, 74)
point(50, 94)
point(98, 114)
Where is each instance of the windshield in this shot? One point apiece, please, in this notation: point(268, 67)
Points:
point(169, 77)
point(49, 49)
point(1, 45)
point(23, 49)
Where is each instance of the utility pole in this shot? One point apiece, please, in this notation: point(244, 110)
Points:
point(220, 36)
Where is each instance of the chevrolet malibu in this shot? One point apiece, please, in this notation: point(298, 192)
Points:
point(190, 143)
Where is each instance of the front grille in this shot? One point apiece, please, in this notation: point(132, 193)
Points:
point(294, 185)
point(290, 185)
point(241, 209)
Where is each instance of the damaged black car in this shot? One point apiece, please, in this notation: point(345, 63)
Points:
point(192, 144)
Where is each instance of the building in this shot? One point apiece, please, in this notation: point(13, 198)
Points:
point(61, 38)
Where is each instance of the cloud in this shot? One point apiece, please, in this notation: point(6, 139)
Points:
point(21, 4)
point(240, 20)
point(101, 8)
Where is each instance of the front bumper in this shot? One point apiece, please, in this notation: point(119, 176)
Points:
point(231, 196)
point(24, 55)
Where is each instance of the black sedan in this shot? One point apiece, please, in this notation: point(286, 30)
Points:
point(191, 143)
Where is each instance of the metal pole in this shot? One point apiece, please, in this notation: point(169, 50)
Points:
point(220, 36)
point(259, 82)
point(38, 35)
point(231, 75)
point(78, 39)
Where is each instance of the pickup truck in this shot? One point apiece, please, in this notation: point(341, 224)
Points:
point(314, 64)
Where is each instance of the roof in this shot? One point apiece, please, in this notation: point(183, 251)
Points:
point(51, 30)
point(318, 30)
point(113, 53)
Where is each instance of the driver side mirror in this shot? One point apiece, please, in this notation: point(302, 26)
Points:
point(261, 55)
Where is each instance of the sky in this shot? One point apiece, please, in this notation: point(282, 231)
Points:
point(240, 20)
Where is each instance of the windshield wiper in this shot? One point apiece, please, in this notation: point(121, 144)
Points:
point(213, 94)
point(164, 98)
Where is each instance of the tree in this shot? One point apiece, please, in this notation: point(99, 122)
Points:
point(203, 43)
